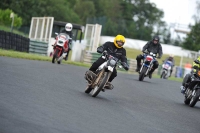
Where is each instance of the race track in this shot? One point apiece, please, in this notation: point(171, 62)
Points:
point(41, 97)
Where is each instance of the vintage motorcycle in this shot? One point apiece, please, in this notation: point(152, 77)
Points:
point(147, 65)
point(192, 92)
point(166, 67)
point(60, 47)
point(102, 74)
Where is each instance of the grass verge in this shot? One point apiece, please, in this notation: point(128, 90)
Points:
point(23, 55)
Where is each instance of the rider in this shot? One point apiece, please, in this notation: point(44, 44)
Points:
point(170, 58)
point(151, 46)
point(111, 48)
point(188, 77)
point(68, 30)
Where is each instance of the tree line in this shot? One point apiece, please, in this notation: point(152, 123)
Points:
point(137, 19)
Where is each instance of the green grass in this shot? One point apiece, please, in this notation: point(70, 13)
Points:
point(23, 55)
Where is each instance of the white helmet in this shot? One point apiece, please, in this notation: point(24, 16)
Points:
point(68, 27)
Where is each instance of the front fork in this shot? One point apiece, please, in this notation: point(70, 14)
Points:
point(96, 81)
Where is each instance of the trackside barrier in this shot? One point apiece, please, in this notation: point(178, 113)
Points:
point(38, 47)
point(13, 41)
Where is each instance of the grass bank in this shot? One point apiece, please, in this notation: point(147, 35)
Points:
point(23, 55)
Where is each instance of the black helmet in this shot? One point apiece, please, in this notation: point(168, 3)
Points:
point(156, 39)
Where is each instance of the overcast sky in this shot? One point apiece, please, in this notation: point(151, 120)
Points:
point(177, 11)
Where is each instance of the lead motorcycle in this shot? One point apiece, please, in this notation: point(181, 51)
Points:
point(192, 92)
point(147, 64)
point(100, 78)
point(60, 47)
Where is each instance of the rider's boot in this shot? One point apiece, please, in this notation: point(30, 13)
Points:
point(109, 86)
point(182, 88)
point(151, 72)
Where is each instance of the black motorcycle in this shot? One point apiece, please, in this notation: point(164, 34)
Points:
point(192, 92)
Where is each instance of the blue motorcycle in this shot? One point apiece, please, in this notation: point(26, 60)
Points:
point(147, 65)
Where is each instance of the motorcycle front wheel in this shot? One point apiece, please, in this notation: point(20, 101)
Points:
point(100, 86)
point(195, 98)
point(55, 55)
point(142, 74)
point(162, 75)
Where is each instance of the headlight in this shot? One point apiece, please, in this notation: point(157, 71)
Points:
point(112, 62)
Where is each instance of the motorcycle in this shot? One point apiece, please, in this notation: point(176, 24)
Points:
point(103, 73)
point(166, 67)
point(60, 47)
point(192, 92)
point(147, 65)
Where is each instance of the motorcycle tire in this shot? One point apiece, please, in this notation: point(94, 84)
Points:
point(187, 101)
point(101, 85)
point(142, 74)
point(162, 75)
point(55, 55)
point(195, 98)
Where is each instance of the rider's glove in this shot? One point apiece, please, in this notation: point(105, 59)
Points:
point(159, 57)
point(100, 49)
point(105, 53)
point(125, 66)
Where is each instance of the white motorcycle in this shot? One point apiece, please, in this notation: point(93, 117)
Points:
point(166, 68)
point(102, 74)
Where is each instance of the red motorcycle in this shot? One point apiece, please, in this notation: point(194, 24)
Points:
point(60, 47)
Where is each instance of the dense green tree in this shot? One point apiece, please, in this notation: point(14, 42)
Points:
point(84, 9)
point(192, 41)
point(6, 20)
point(27, 9)
point(133, 18)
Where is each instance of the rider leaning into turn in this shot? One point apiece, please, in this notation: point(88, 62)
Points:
point(152, 46)
point(188, 77)
point(112, 48)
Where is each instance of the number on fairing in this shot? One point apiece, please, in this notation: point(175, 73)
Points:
point(110, 68)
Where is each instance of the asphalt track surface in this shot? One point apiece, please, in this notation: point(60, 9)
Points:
point(41, 97)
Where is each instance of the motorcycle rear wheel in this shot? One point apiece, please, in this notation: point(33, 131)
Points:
point(88, 89)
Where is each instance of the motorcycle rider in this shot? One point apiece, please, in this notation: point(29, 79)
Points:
point(152, 46)
point(170, 58)
point(111, 48)
point(190, 76)
point(68, 30)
